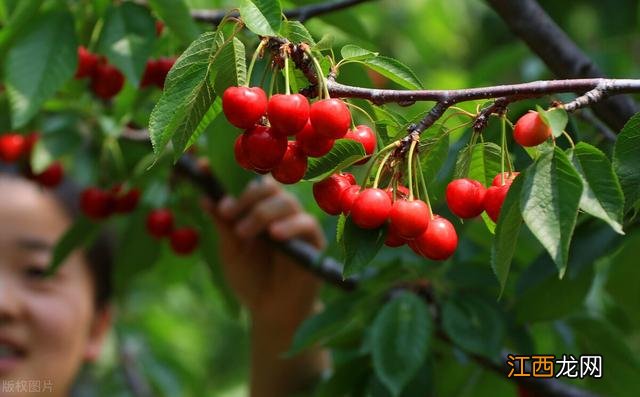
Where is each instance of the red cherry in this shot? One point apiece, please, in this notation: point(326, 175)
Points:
point(507, 177)
point(465, 197)
point(293, 165)
point(30, 141)
point(244, 106)
point(96, 203)
point(347, 197)
point(330, 118)
point(52, 176)
point(312, 143)
point(12, 146)
point(401, 192)
point(366, 136)
point(438, 242)
point(87, 63)
point(160, 223)
point(409, 218)
point(371, 208)
point(184, 240)
point(494, 199)
point(264, 151)
point(530, 130)
point(239, 154)
point(288, 114)
point(149, 76)
point(107, 81)
point(159, 27)
point(128, 202)
point(393, 238)
point(327, 193)
point(163, 66)
point(350, 177)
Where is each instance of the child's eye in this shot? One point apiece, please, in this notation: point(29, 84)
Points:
point(35, 272)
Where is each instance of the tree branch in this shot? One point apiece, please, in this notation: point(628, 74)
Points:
point(534, 26)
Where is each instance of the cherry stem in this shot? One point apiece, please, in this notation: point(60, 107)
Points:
point(322, 80)
point(503, 143)
point(566, 135)
point(362, 111)
point(273, 81)
point(410, 167)
point(373, 161)
point(263, 42)
point(380, 169)
point(286, 75)
point(424, 190)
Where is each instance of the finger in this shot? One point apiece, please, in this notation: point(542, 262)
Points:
point(269, 210)
point(257, 190)
point(300, 225)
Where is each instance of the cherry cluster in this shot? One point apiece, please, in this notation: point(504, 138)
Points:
point(15, 148)
point(155, 72)
point(99, 204)
point(264, 145)
point(160, 224)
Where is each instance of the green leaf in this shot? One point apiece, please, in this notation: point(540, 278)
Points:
point(602, 195)
point(394, 70)
point(325, 43)
point(39, 64)
point(507, 232)
point(401, 337)
point(187, 95)
point(296, 32)
point(626, 161)
point(474, 324)
point(555, 118)
point(230, 66)
point(175, 14)
point(481, 162)
point(80, 234)
point(353, 52)
point(360, 246)
point(262, 17)
point(433, 154)
point(127, 39)
point(207, 119)
point(549, 203)
point(344, 153)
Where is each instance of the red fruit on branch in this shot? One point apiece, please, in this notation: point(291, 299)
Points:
point(87, 63)
point(371, 208)
point(159, 27)
point(465, 197)
point(163, 66)
point(347, 197)
point(288, 114)
point(401, 192)
point(184, 240)
point(51, 176)
point(263, 149)
point(293, 165)
point(494, 199)
point(312, 143)
point(393, 238)
point(160, 223)
point(127, 202)
point(409, 218)
point(349, 176)
point(366, 136)
point(244, 106)
point(96, 204)
point(530, 130)
point(107, 81)
point(30, 141)
point(12, 147)
point(149, 77)
point(239, 154)
point(327, 193)
point(438, 242)
point(507, 178)
point(330, 118)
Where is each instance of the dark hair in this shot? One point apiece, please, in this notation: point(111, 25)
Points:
point(99, 253)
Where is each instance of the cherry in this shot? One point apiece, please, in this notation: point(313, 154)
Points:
point(371, 208)
point(312, 143)
point(107, 81)
point(87, 63)
point(239, 154)
point(149, 76)
point(366, 136)
point(327, 193)
point(350, 177)
point(163, 66)
point(465, 197)
point(184, 240)
point(160, 223)
point(401, 192)
point(264, 150)
point(30, 141)
point(293, 165)
point(438, 242)
point(244, 106)
point(347, 197)
point(96, 203)
point(52, 176)
point(494, 199)
point(530, 130)
point(12, 146)
point(330, 118)
point(288, 114)
point(508, 178)
point(393, 238)
point(159, 27)
point(409, 218)
point(128, 201)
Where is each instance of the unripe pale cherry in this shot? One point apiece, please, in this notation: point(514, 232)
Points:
point(438, 242)
point(288, 114)
point(244, 106)
point(327, 193)
point(293, 165)
point(330, 118)
point(530, 130)
point(371, 208)
point(409, 218)
point(494, 199)
point(364, 135)
point(465, 197)
point(264, 151)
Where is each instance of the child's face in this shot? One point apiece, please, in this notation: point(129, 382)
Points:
point(48, 326)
